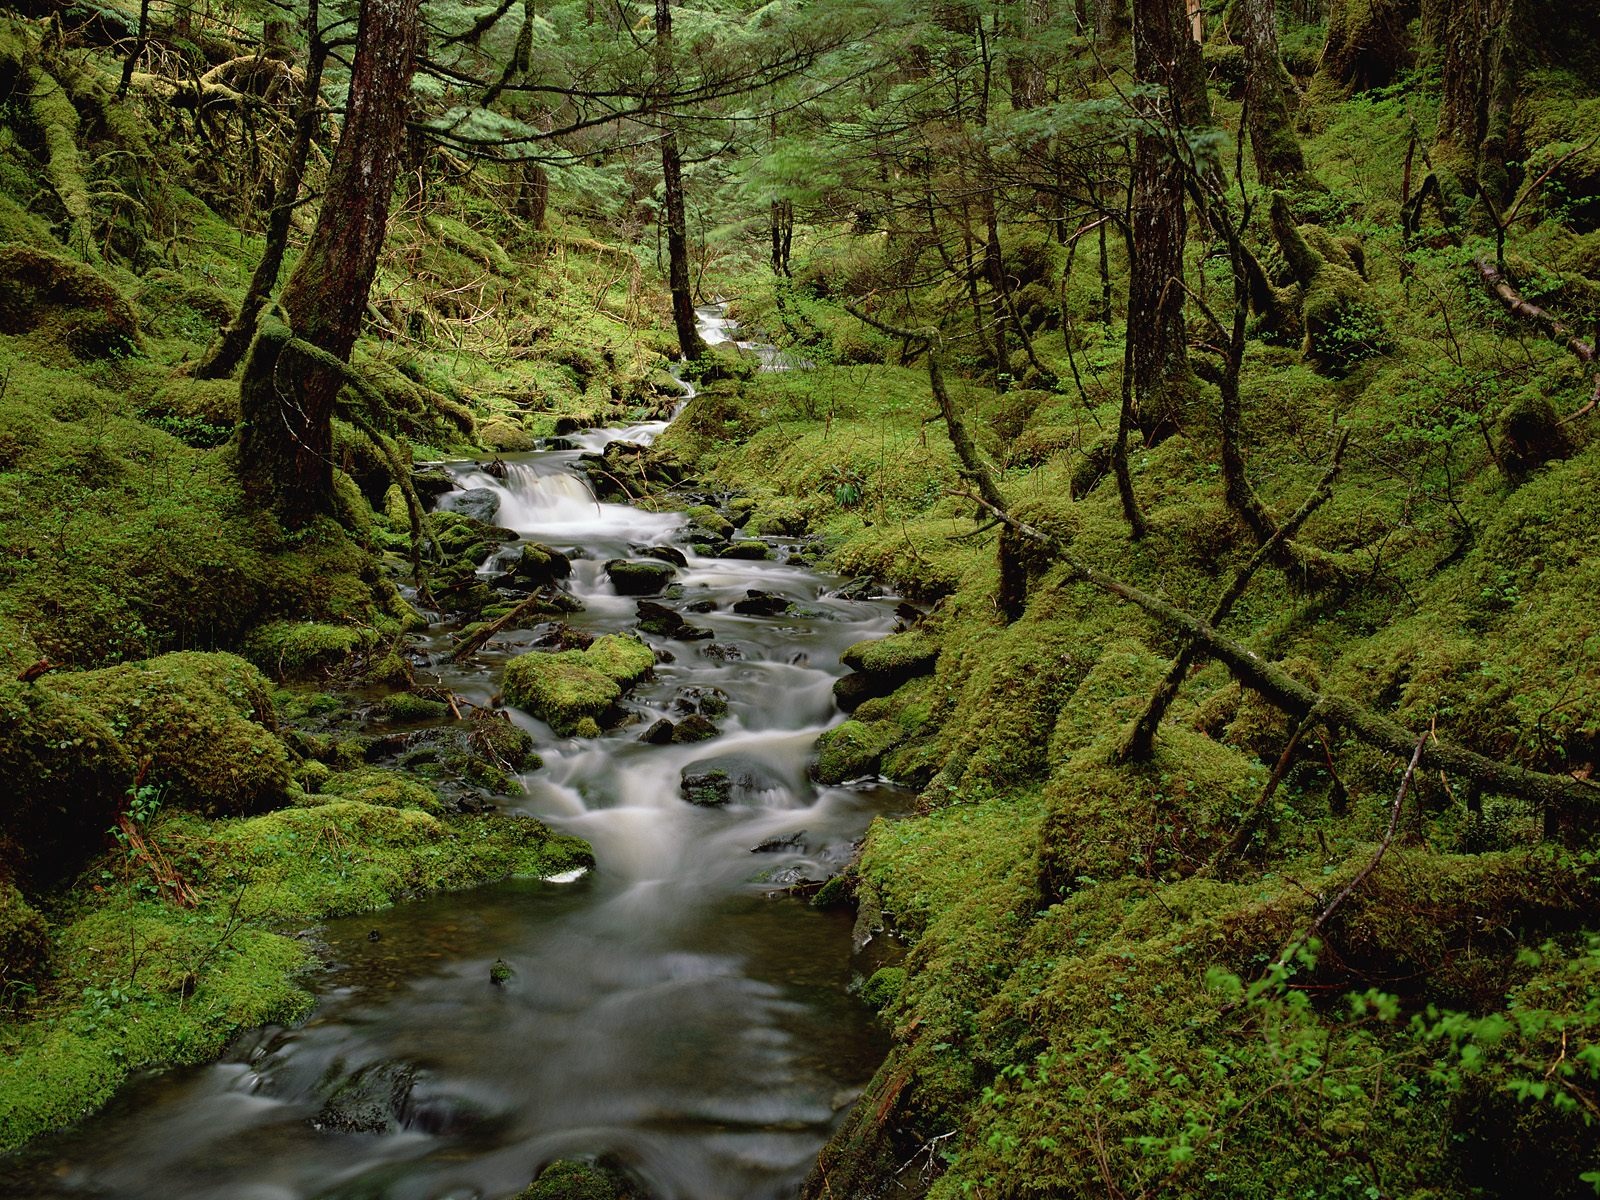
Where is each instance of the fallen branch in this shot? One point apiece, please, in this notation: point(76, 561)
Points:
point(1140, 741)
point(1298, 699)
point(486, 631)
point(1372, 864)
point(1515, 303)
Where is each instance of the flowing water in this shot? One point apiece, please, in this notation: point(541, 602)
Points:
point(667, 1010)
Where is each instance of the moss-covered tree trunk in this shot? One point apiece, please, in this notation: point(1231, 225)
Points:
point(683, 317)
point(286, 443)
point(1474, 42)
point(1269, 98)
point(230, 348)
point(1366, 47)
point(1165, 57)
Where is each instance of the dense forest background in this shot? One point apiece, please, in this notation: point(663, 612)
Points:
point(1218, 380)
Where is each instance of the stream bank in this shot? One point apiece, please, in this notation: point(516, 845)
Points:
point(666, 1012)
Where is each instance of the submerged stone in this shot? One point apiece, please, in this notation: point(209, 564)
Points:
point(371, 1100)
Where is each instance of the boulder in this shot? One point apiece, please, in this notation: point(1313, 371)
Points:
point(541, 564)
point(481, 504)
point(757, 603)
point(665, 622)
point(706, 788)
point(634, 578)
point(694, 728)
point(666, 554)
point(572, 690)
point(725, 777)
point(370, 1100)
point(659, 733)
point(745, 550)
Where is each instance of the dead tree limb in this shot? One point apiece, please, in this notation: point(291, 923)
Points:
point(1140, 741)
point(1372, 864)
point(484, 632)
point(1291, 696)
point(1500, 287)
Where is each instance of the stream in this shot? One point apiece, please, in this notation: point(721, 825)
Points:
point(671, 1011)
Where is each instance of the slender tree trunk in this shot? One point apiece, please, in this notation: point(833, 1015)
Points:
point(1269, 93)
point(533, 194)
point(1165, 57)
point(683, 318)
point(230, 348)
point(287, 400)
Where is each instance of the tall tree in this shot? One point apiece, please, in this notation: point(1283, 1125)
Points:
point(1171, 101)
point(683, 318)
point(288, 396)
point(1269, 93)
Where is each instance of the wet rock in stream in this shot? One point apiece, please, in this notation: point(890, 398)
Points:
point(481, 504)
point(633, 577)
point(757, 603)
point(371, 1099)
point(669, 623)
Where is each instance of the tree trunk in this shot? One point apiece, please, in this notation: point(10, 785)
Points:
point(683, 318)
point(1365, 48)
point(1268, 92)
point(230, 348)
point(1165, 57)
point(286, 442)
point(1474, 44)
point(533, 194)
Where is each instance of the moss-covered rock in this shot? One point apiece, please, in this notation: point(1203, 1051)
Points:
point(572, 1179)
point(297, 649)
point(634, 577)
point(622, 657)
point(561, 689)
point(539, 563)
point(200, 725)
point(24, 943)
point(374, 785)
point(855, 749)
point(55, 807)
point(65, 303)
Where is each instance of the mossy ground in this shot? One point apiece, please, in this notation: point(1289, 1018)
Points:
point(129, 555)
point(1091, 1003)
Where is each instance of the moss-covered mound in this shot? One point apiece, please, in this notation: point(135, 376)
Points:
point(571, 687)
point(199, 725)
point(64, 303)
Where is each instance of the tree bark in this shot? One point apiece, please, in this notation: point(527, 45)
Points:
point(1167, 58)
point(287, 439)
point(1365, 48)
point(1268, 92)
point(1474, 42)
point(677, 220)
point(230, 348)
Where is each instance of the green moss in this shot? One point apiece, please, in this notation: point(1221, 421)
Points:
point(24, 945)
point(900, 656)
point(406, 707)
point(387, 789)
point(199, 725)
point(622, 657)
point(882, 989)
point(571, 1179)
point(294, 649)
point(561, 689)
point(1159, 820)
point(855, 749)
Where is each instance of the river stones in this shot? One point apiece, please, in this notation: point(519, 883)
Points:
point(724, 778)
point(757, 603)
point(745, 550)
point(632, 577)
point(780, 843)
point(659, 733)
point(371, 1099)
point(481, 504)
point(665, 622)
point(693, 728)
point(707, 701)
point(500, 972)
point(541, 564)
point(666, 554)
